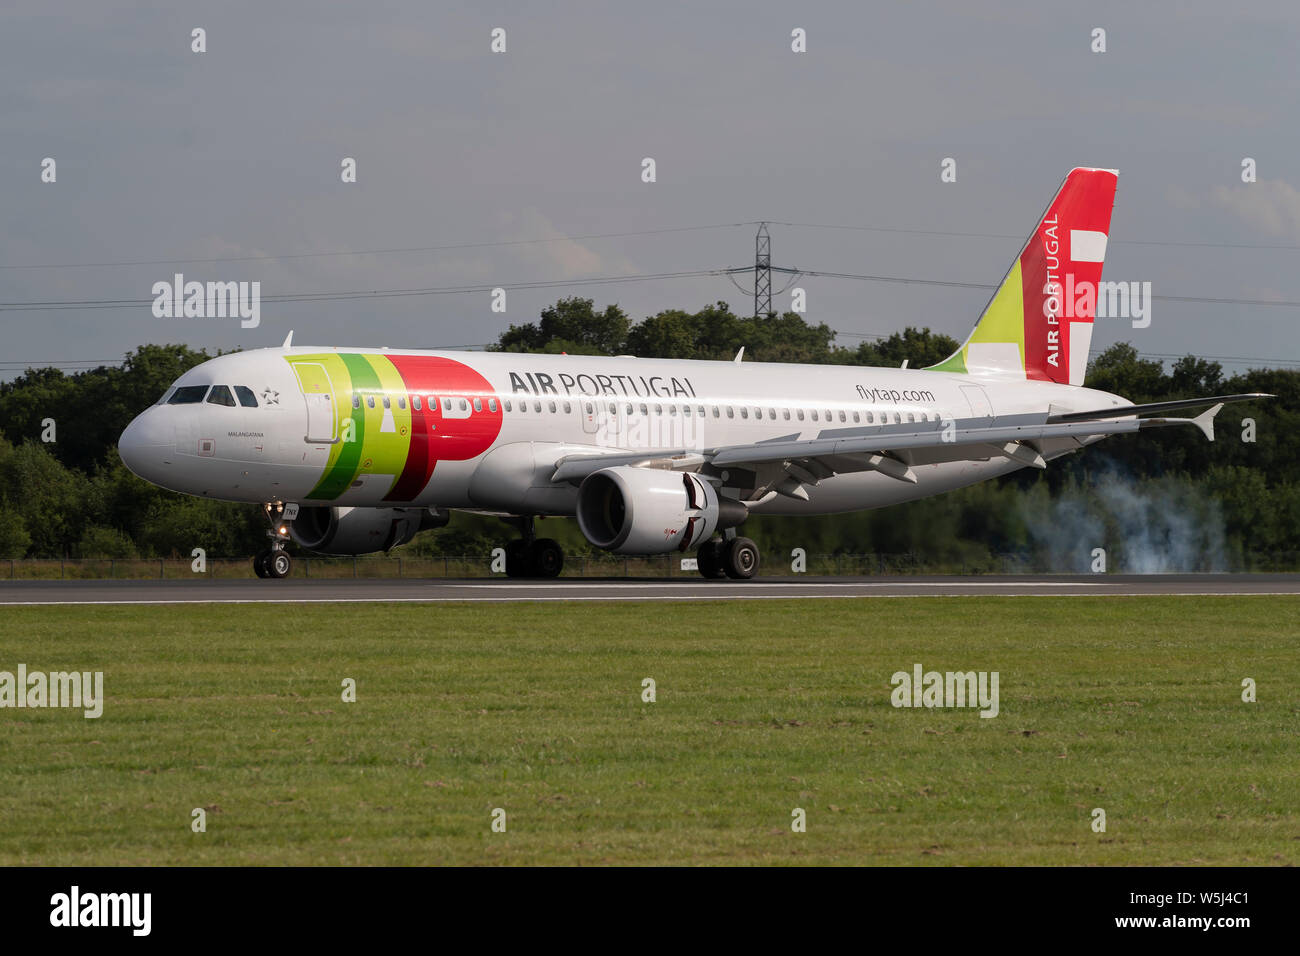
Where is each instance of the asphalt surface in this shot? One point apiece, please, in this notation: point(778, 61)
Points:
point(437, 590)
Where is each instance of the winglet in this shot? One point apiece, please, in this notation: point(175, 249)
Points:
point(739, 355)
point(288, 340)
point(1205, 420)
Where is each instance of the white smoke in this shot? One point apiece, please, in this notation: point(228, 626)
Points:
point(1154, 526)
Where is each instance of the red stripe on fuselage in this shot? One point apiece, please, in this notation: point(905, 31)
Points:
point(435, 437)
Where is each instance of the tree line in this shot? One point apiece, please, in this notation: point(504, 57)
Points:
point(64, 492)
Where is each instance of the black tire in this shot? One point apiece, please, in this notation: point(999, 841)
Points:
point(740, 559)
point(709, 560)
point(547, 558)
point(519, 560)
point(279, 564)
point(259, 565)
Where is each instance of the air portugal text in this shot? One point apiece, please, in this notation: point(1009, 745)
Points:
point(655, 386)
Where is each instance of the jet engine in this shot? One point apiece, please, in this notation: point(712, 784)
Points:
point(631, 510)
point(361, 530)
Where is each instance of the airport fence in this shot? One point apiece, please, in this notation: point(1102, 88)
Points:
point(587, 566)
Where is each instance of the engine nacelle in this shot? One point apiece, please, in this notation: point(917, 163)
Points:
point(631, 510)
point(361, 530)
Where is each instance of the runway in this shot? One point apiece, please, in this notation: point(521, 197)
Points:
point(480, 590)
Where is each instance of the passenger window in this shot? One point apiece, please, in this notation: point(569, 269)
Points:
point(188, 395)
point(586, 407)
point(716, 412)
point(523, 406)
point(659, 409)
point(387, 402)
point(672, 410)
point(415, 402)
point(568, 408)
point(506, 403)
point(433, 403)
point(464, 405)
point(492, 404)
point(628, 409)
point(842, 418)
point(220, 395)
point(552, 404)
point(644, 409)
point(700, 411)
point(799, 413)
point(370, 401)
point(744, 412)
point(813, 414)
point(401, 402)
point(870, 418)
point(537, 406)
point(613, 409)
point(246, 396)
point(771, 413)
point(478, 404)
point(785, 413)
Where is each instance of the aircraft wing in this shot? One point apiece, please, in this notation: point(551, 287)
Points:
point(893, 449)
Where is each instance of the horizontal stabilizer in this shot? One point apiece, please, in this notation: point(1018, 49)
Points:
point(1124, 411)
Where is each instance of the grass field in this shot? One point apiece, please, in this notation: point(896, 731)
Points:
point(1132, 705)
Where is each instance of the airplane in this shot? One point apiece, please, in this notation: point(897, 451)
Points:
point(355, 450)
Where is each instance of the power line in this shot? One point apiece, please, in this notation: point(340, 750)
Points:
point(911, 280)
point(586, 237)
point(1002, 235)
point(80, 304)
point(1239, 359)
point(378, 252)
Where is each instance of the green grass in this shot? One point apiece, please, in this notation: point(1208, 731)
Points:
point(1129, 704)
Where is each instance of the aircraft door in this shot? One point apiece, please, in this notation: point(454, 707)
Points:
point(978, 400)
point(318, 392)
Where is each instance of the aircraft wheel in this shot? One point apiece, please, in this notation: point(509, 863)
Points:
point(547, 558)
point(740, 559)
point(259, 565)
point(709, 560)
point(519, 559)
point(279, 564)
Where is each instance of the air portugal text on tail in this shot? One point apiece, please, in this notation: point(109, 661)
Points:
point(1038, 325)
point(354, 450)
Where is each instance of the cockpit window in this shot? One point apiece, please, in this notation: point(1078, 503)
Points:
point(221, 396)
point(246, 396)
point(166, 395)
point(188, 395)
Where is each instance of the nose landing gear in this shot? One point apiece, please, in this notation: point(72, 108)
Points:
point(275, 562)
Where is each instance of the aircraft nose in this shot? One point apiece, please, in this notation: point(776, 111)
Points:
point(146, 447)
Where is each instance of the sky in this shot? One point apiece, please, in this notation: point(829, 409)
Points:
point(474, 167)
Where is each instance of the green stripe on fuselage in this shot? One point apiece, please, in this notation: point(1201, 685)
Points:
point(343, 470)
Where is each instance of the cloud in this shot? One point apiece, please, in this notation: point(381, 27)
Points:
point(1270, 207)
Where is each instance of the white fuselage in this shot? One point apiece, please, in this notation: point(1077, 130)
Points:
point(482, 431)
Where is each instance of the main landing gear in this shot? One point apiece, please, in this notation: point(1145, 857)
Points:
point(531, 556)
point(734, 557)
point(275, 562)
